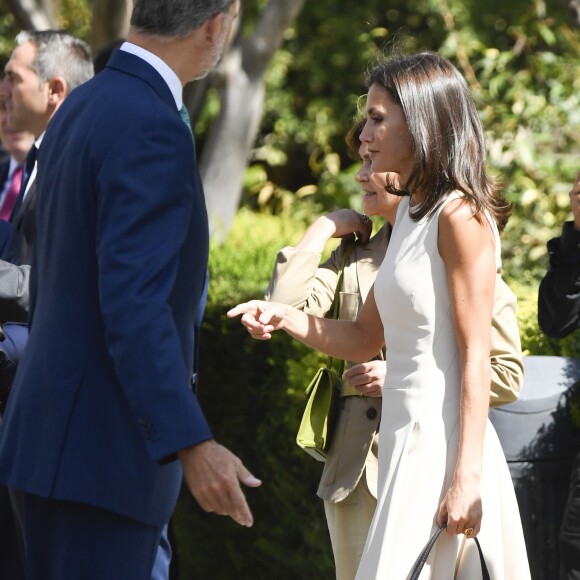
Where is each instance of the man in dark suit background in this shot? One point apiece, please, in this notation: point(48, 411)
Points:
point(103, 417)
point(42, 71)
point(17, 144)
point(559, 316)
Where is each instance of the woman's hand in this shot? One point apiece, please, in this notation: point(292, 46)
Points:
point(261, 318)
point(342, 223)
point(367, 378)
point(461, 507)
point(347, 222)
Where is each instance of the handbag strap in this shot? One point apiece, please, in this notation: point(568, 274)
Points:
point(422, 558)
point(336, 299)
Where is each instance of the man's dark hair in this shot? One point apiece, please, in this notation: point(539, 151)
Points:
point(175, 18)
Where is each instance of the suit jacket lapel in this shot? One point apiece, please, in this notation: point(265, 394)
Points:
point(26, 203)
point(4, 169)
point(135, 66)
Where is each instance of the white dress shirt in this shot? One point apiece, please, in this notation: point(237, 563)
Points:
point(161, 67)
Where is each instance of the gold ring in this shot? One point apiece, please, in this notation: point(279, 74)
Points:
point(468, 532)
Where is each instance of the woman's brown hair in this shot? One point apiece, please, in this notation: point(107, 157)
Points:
point(447, 133)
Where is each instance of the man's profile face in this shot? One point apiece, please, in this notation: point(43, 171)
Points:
point(17, 143)
point(25, 95)
point(214, 53)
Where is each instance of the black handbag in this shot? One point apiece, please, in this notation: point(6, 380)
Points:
point(422, 558)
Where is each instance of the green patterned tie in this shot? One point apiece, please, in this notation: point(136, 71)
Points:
point(185, 118)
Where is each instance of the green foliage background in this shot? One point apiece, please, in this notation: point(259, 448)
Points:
point(521, 59)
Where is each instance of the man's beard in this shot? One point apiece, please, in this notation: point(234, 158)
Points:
point(213, 55)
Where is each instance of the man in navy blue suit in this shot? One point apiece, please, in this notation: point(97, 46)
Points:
point(103, 418)
point(17, 143)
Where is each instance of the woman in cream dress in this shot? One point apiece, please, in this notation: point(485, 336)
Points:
point(439, 458)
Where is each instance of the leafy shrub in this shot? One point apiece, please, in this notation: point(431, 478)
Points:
point(252, 394)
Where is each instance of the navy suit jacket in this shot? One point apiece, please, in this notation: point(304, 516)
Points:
point(100, 407)
point(7, 241)
point(24, 222)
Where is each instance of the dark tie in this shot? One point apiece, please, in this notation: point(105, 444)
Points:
point(185, 118)
point(11, 193)
point(28, 168)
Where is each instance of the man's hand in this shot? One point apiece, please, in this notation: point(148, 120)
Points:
point(213, 475)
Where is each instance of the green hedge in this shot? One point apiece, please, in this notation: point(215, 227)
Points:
point(252, 394)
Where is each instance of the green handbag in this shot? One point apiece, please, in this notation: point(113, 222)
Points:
point(323, 393)
point(319, 417)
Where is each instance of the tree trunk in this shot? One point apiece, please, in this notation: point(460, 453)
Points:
point(231, 136)
point(30, 15)
point(225, 153)
point(50, 7)
point(110, 21)
point(574, 10)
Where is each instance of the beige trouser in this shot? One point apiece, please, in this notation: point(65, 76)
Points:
point(348, 524)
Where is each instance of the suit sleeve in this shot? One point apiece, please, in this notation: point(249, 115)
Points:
point(507, 365)
point(14, 297)
point(300, 280)
point(14, 279)
point(559, 294)
point(145, 204)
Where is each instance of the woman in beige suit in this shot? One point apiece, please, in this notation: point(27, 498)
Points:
point(349, 479)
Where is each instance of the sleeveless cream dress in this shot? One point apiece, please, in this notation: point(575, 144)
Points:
point(420, 426)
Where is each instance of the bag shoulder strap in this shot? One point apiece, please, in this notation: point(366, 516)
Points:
point(336, 299)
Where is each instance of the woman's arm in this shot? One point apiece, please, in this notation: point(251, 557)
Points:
point(357, 341)
point(298, 279)
point(467, 248)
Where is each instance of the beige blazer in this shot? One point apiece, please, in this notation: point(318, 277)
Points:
point(300, 280)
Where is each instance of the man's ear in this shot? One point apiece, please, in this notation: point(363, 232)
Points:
point(57, 90)
point(213, 27)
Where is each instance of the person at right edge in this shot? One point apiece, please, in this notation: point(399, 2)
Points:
point(559, 316)
point(103, 421)
point(348, 484)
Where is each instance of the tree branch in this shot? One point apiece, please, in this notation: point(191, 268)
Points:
point(110, 21)
point(29, 15)
point(268, 35)
point(574, 11)
point(462, 57)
